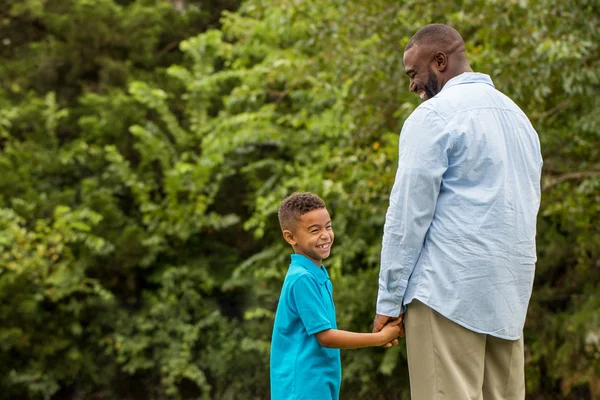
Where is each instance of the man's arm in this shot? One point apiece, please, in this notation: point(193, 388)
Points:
point(424, 145)
point(338, 339)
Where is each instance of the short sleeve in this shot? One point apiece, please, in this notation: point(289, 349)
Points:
point(306, 297)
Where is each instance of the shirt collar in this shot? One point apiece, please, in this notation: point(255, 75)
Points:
point(319, 272)
point(469, 77)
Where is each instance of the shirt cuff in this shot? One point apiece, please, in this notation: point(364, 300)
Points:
point(389, 305)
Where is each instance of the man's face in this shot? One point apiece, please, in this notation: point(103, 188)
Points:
point(419, 68)
point(313, 235)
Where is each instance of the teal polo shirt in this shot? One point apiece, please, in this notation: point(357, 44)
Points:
point(302, 369)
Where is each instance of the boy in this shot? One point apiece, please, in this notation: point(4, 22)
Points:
point(305, 355)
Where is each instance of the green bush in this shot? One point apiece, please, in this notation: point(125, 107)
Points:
point(142, 165)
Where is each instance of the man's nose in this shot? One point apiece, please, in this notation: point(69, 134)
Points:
point(412, 87)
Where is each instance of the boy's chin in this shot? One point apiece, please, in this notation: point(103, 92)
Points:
point(326, 255)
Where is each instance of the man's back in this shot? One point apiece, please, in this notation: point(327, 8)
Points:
point(478, 259)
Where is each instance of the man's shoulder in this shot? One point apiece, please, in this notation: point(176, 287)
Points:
point(426, 116)
point(462, 98)
point(429, 108)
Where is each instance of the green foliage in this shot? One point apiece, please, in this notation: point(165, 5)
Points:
point(142, 165)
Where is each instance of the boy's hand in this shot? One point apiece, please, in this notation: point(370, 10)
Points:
point(391, 331)
point(382, 320)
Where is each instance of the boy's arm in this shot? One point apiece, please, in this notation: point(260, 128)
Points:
point(306, 301)
point(339, 339)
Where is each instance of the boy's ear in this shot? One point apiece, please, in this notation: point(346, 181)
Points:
point(289, 237)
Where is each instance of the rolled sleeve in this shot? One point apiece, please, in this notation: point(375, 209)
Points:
point(425, 142)
point(309, 305)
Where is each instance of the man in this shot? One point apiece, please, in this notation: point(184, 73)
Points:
point(458, 250)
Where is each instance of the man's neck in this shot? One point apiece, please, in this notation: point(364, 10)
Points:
point(454, 73)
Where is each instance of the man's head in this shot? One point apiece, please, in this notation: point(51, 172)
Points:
point(433, 56)
point(306, 225)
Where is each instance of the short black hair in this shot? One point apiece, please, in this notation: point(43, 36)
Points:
point(296, 205)
point(444, 37)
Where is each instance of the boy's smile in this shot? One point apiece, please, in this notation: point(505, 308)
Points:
point(313, 235)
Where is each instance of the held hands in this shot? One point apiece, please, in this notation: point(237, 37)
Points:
point(392, 327)
point(391, 331)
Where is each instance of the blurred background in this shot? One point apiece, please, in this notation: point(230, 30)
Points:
point(145, 146)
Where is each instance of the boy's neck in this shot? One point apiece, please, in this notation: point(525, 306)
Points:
point(318, 263)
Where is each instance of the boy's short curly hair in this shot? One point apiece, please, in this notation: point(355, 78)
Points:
point(295, 206)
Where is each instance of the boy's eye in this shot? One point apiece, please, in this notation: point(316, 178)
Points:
point(329, 227)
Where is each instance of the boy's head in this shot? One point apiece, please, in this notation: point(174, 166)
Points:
point(306, 225)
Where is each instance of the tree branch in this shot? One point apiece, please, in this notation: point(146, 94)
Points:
point(556, 109)
point(171, 46)
point(570, 176)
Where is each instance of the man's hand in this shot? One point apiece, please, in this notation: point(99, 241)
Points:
point(381, 320)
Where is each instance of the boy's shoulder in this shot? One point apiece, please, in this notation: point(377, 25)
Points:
point(300, 285)
point(296, 272)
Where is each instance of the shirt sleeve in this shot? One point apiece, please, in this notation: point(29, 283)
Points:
point(308, 303)
point(425, 142)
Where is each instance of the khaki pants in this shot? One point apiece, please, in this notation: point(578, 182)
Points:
point(447, 361)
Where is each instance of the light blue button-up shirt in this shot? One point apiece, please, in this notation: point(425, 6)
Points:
point(460, 229)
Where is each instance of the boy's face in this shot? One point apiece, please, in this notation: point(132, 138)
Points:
point(312, 235)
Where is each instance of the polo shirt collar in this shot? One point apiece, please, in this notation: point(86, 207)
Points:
point(319, 272)
point(469, 77)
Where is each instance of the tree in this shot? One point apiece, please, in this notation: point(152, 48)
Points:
point(142, 256)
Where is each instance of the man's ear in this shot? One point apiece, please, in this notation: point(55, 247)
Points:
point(441, 60)
point(289, 237)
